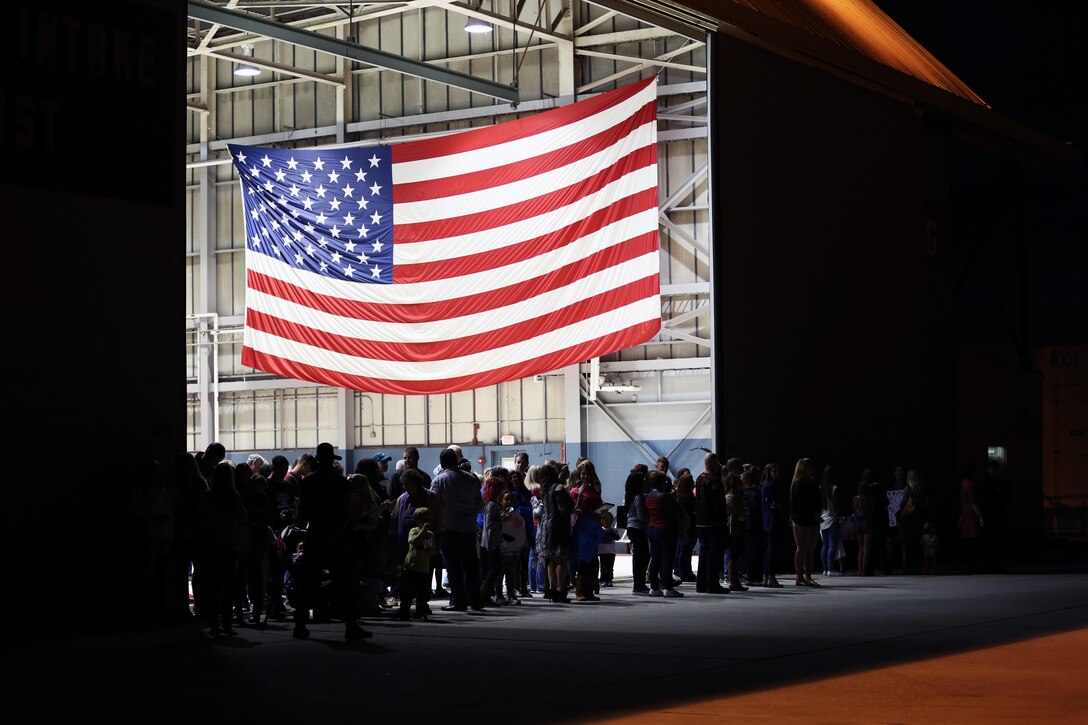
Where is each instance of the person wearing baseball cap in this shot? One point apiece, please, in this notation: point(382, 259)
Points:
point(324, 502)
point(383, 460)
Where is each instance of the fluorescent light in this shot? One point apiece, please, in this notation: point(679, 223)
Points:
point(475, 25)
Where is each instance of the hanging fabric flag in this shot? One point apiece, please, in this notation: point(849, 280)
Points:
point(451, 263)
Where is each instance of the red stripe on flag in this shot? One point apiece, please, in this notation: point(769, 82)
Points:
point(477, 180)
point(560, 358)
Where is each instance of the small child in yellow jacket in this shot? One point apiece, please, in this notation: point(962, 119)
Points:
point(416, 571)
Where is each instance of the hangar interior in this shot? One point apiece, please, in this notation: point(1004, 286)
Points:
point(826, 106)
point(312, 74)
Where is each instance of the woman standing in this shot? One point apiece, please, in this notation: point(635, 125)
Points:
point(736, 522)
point(223, 516)
point(754, 538)
point(634, 503)
point(553, 534)
point(536, 571)
point(830, 531)
point(805, 519)
point(587, 502)
point(490, 539)
point(662, 514)
point(685, 536)
point(863, 521)
point(773, 521)
point(415, 496)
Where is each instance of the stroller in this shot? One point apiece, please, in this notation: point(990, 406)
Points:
point(281, 585)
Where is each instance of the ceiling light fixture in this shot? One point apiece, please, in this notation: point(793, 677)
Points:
point(245, 69)
point(476, 25)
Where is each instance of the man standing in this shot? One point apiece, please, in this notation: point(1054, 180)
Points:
point(304, 466)
point(456, 449)
point(383, 466)
point(411, 461)
point(521, 463)
point(460, 500)
point(211, 457)
point(523, 501)
point(284, 503)
point(710, 525)
point(257, 464)
point(323, 501)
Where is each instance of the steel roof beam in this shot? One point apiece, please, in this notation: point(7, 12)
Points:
point(352, 51)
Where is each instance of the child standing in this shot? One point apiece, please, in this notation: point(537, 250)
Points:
point(513, 541)
point(930, 545)
point(538, 575)
point(607, 549)
point(415, 574)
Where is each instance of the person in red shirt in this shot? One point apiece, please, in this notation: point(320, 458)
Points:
point(663, 514)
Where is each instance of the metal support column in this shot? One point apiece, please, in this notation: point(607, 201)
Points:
point(208, 301)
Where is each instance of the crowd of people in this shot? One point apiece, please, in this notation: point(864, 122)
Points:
point(308, 541)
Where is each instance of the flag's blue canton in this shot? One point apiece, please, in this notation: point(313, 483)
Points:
point(329, 211)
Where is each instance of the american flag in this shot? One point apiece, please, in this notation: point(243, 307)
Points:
point(451, 263)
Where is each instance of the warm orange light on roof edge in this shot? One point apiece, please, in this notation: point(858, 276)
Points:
point(858, 26)
point(880, 38)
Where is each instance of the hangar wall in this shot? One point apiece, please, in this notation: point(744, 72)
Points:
point(840, 291)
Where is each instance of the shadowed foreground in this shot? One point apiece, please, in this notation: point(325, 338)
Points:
point(914, 649)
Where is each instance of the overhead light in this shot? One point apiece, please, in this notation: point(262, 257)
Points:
point(476, 25)
point(246, 69)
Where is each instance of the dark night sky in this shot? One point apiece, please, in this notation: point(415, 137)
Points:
point(1027, 60)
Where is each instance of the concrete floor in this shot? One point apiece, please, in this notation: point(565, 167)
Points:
point(541, 662)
